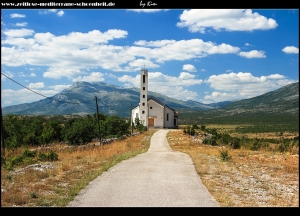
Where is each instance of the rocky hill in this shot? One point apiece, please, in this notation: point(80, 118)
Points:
point(112, 99)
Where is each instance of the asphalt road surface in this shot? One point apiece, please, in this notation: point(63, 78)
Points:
point(159, 177)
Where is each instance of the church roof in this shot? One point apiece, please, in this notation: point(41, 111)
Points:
point(157, 101)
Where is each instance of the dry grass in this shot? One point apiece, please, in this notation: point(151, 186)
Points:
point(249, 179)
point(56, 183)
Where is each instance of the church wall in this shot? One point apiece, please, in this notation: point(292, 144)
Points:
point(134, 113)
point(157, 111)
point(170, 122)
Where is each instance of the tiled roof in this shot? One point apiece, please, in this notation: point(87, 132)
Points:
point(157, 101)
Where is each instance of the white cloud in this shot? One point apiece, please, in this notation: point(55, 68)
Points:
point(37, 85)
point(57, 73)
point(242, 85)
point(186, 76)
point(93, 77)
point(24, 95)
point(290, 50)
point(58, 13)
point(21, 74)
point(147, 10)
point(18, 32)
point(7, 102)
point(253, 54)
point(85, 51)
point(158, 43)
point(198, 20)
point(21, 24)
point(174, 87)
point(59, 87)
point(189, 67)
point(15, 15)
point(6, 74)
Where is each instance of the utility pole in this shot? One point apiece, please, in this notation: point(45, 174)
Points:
point(98, 120)
point(130, 119)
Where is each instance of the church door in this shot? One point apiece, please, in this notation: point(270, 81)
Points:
point(151, 122)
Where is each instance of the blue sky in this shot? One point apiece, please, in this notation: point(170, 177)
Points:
point(197, 54)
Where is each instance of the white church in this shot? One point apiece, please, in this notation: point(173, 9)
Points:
point(151, 112)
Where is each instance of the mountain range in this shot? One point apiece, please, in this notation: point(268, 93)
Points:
point(80, 99)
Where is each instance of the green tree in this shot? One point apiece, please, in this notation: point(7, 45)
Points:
point(51, 131)
point(79, 131)
point(12, 131)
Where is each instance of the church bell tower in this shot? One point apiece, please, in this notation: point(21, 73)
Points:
point(143, 112)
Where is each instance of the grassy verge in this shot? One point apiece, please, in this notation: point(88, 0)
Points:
point(56, 183)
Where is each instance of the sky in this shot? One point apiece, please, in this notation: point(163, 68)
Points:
point(204, 55)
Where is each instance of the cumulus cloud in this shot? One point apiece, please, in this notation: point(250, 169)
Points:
point(6, 74)
point(189, 67)
point(79, 51)
point(18, 32)
point(37, 85)
point(22, 24)
point(21, 74)
point(23, 95)
point(15, 15)
point(158, 43)
point(57, 73)
point(290, 50)
point(175, 87)
point(59, 87)
point(58, 12)
point(93, 77)
point(198, 20)
point(253, 54)
point(242, 85)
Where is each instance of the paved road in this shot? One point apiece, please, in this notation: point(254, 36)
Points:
point(160, 177)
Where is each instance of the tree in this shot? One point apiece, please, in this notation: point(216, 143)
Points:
point(51, 132)
point(80, 131)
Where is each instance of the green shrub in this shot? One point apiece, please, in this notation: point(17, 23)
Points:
point(50, 156)
point(224, 155)
point(235, 143)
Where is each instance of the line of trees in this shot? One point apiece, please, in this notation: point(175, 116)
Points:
point(38, 130)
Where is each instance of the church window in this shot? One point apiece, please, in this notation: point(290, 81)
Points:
point(143, 96)
point(143, 88)
point(167, 116)
point(143, 104)
point(150, 107)
point(143, 112)
point(144, 78)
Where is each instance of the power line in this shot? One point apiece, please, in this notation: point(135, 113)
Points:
point(23, 86)
point(44, 95)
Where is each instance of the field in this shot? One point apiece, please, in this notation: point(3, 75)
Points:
point(265, 177)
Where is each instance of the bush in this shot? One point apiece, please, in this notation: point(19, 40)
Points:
point(50, 156)
point(224, 155)
point(235, 143)
point(254, 146)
